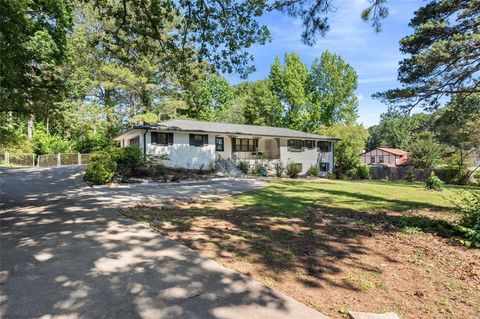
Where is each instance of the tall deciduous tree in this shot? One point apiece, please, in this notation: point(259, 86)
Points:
point(332, 83)
point(33, 47)
point(216, 99)
point(219, 31)
point(443, 55)
point(289, 82)
point(396, 130)
point(260, 106)
point(352, 142)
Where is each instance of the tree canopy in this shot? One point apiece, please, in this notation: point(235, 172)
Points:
point(442, 56)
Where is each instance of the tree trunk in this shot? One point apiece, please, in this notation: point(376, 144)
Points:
point(10, 119)
point(30, 127)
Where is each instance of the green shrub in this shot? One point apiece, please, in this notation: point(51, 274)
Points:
point(127, 159)
point(93, 142)
point(433, 182)
point(476, 177)
point(14, 141)
point(313, 171)
point(330, 176)
point(410, 176)
point(363, 172)
point(244, 166)
point(279, 168)
point(45, 143)
point(468, 204)
point(293, 169)
point(101, 169)
point(260, 169)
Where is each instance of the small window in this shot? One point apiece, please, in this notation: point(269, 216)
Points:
point(198, 140)
point(134, 141)
point(309, 144)
point(381, 159)
point(161, 138)
point(372, 159)
point(245, 145)
point(295, 145)
point(219, 144)
point(324, 167)
point(323, 146)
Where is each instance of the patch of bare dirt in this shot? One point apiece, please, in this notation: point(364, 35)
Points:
point(334, 260)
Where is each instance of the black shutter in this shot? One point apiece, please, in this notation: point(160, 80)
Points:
point(169, 138)
point(255, 145)
point(205, 139)
point(234, 144)
point(191, 139)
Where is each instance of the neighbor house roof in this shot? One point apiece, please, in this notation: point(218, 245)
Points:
point(230, 129)
point(394, 151)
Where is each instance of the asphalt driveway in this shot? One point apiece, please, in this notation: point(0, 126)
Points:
point(66, 253)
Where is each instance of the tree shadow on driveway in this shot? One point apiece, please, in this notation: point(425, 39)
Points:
point(63, 252)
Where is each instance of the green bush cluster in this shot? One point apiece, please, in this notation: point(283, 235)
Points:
point(127, 160)
point(468, 203)
point(313, 171)
point(101, 169)
point(244, 166)
point(433, 182)
point(362, 172)
point(293, 169)
point(260, 169)
point(279, 168)
point(105, 164)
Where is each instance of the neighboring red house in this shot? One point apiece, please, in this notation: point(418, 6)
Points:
point(392, 157)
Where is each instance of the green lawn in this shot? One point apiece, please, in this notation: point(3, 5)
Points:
point(337, 244)
point(366, 196)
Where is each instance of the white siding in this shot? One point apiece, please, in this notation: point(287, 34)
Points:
point(306, 157)
point(182, 154)
point(227, 147)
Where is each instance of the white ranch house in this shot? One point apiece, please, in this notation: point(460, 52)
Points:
point(199, 145)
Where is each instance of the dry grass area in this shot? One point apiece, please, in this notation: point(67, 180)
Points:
point(336, 257)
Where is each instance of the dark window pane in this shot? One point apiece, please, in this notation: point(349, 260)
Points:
point(134, 141)
point(198, 140)
point(324, 167)
point(219, 144)
point(159, 138)
point(323, 146)
point(295, 145)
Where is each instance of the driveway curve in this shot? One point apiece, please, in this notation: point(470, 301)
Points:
point(66, 253)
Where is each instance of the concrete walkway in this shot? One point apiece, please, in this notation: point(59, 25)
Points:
point(65, 253)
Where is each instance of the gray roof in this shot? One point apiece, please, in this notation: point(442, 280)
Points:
point(232, 129)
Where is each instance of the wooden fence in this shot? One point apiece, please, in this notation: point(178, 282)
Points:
point(405, 172)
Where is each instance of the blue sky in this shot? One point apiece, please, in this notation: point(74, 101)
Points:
point(374, 56)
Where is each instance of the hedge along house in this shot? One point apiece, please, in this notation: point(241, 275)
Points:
point(200, 145)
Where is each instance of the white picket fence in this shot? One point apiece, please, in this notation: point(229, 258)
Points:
point(28, 159)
